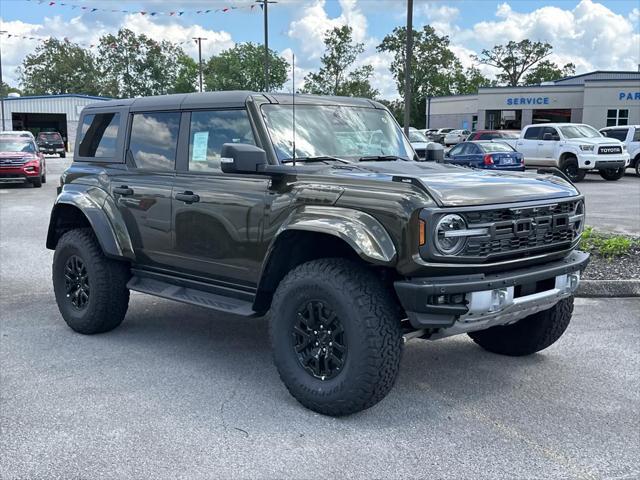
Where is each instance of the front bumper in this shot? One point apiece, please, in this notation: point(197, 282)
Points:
point(599, 162)
point(51, 150)
point(18, 175)
point(473, 302)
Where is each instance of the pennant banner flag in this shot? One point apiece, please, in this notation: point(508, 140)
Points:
point(172, 13)
point(67, 40)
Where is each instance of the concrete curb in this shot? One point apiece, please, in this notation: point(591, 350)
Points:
point(608, 288)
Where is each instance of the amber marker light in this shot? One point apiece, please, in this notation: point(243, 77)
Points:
point(423, 233)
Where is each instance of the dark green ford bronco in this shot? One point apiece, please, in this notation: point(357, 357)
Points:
point(321, 218)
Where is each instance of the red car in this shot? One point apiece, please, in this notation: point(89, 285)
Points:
point(20, 161)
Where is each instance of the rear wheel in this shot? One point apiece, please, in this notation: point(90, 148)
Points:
point(90, 289)
point(529, 335)
point(336, 336)
point(571, 170)
point(612, 174)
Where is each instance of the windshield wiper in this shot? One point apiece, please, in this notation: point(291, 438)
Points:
point(381, 158)
point(319, 158)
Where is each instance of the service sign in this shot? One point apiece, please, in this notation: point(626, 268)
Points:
point(527, 101)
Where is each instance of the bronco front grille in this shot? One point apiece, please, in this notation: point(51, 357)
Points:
point(517, 232)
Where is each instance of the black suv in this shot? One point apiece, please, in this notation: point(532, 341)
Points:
point(322, 218)
point(51, 143)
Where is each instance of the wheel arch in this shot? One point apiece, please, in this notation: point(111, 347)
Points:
point(79, 208)
point(566, 156)
point(320, 232)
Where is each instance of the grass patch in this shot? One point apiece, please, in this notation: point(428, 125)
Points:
point(607, 245)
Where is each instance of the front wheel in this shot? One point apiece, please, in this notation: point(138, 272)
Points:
point(571, 170)
point(529, 335)
point(612, 174)
point(336, 336)
point(90, 289)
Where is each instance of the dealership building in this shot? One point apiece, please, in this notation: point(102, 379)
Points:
point(57, 113)
point(598, 98)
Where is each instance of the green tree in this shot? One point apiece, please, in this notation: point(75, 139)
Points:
point(6, 89)
point(547, 71)
point(396, 107)
point(57, 67)
point(468, 81)
point(242, 68)
point(514, 59)
point(337, 75)
point(135, 65)
point(435, 70)
point(187, 76)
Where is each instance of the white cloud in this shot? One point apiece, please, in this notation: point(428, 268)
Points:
point(87, 31)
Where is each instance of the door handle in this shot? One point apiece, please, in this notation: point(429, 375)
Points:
point(187, 197)
point(123, 190)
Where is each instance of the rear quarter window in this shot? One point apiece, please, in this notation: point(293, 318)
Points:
point(99, 135)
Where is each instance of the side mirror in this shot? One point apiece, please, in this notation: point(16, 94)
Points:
point(242, 158)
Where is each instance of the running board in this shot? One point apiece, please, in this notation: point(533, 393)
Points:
point(192, 296)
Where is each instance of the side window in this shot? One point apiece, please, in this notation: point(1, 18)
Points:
point(210, 130)
point(471, 149)
point(636, 135)
point(99, 135)
point(154, 138)
point(550, 130)
point(532, 133)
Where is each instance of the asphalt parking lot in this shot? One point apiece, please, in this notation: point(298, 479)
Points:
point(177, 392)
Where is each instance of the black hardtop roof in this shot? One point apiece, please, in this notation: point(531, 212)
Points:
point(228, 99)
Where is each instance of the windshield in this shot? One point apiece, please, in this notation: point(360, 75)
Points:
point(16, 145)
point(417, 136)
point(579, 131)
point(496, 147)
point(334, 130)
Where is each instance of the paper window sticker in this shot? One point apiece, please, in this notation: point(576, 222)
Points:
point(200, 144)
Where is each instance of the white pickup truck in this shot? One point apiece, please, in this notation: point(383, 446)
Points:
point(574, 148)
point(630, 136)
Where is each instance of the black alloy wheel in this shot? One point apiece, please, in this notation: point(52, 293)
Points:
point(76, 282)
point(571, 170)
point(318, 338)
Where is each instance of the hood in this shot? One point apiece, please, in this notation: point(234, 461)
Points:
point(595, 141)
point(16, 154)
point(452, 186)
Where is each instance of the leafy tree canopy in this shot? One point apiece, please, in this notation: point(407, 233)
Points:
point(514, 59)
point(547, 71)
point(57, 67)
point(133, 65)
point(337, 76)
point(242, 68)
point(6, 89)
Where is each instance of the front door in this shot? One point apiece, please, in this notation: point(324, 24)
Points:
point(547, 148)
point(528, 145)
point(218, 217)
point(143, 190)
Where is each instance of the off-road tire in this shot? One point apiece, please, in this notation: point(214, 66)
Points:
point(529, 335)
point(36, 182)
point(571, 170)
point(371, 322)
point(612, 174)
point(108, 293)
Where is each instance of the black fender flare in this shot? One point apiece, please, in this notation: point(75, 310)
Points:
point(102, 214)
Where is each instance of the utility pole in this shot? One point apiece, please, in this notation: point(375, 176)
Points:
point(407, 68)
point(265, 11)
point(199, 42)
point(2, 32)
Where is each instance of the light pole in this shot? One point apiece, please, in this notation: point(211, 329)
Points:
point(407, 68)
point(199, 41)
point(265, 11)
point(2, 32)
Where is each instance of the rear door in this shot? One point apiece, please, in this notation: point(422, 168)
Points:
point(528, 145)
point(547, 148)
point(217, 217)
point(143, 189)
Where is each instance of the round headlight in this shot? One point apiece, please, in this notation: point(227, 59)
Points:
point(446, 240)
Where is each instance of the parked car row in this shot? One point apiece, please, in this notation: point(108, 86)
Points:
point(573, 148)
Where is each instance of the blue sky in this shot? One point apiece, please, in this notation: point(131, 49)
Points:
point(591, 34)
